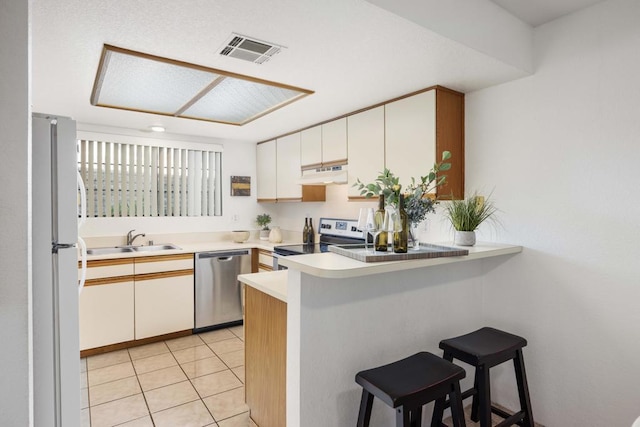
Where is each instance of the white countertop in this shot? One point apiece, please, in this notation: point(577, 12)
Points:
point(334, 266)
point(272, 283)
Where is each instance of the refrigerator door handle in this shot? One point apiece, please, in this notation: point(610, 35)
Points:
point(83, 262)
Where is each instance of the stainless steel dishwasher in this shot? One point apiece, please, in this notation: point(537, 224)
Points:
point(218, 295)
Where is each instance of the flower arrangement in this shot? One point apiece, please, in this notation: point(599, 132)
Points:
point(418, 199)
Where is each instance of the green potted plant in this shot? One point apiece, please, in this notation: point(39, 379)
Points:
point(263, 221)
point(467, 215)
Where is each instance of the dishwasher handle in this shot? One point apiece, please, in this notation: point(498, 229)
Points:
point(225, 255)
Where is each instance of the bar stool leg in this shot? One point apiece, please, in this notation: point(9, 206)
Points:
point(474, 402)
point(523, 389)
point(438, 411)
point(416, 417)
point(457, 412)
point(366, 403)
point(484, 398)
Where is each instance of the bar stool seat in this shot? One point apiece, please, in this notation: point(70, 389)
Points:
point(407, 384)
point(484, 349)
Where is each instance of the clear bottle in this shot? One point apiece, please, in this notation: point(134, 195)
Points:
point(400, 235)
point(381, 239)
point(305, 231)
point(312, 234)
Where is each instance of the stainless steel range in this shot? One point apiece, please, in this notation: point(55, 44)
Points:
point(332, 231)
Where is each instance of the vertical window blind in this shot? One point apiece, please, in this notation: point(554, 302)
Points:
point(139, 180)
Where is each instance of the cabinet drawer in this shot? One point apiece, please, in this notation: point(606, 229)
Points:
point(265, 258)
point(159, 264)
point(99, 269)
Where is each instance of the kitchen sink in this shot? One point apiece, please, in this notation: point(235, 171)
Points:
point(128, 249)
point(152, 248)
point(108, 250)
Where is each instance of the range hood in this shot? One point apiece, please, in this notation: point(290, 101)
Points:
point(324, 176)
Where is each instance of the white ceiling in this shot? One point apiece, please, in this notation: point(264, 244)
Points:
point(538, 12)
point(350, 52)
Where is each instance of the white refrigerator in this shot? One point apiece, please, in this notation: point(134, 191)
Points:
point(56, 353)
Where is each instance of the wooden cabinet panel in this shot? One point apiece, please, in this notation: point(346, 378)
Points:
point(410, 136)
point(334, 142)
point(288, 168)
point(157, 264)
point(106, 314)
point(163, 305)
point(266, 171)
point(311, 146)
point(366, 147)
point(265, 332)
point(98, 269)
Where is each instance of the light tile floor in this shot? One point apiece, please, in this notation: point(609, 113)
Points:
point(196, 381)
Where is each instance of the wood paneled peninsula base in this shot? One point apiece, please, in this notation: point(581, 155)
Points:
point(344, 316)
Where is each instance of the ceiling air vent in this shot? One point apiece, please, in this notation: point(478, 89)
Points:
point(247, 49)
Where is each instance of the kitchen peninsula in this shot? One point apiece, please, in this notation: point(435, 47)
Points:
point(343, 315)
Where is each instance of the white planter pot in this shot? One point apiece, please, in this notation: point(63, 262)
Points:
point(264, 234)
point(464, 238)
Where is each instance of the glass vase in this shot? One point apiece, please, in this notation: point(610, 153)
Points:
point(413, 236)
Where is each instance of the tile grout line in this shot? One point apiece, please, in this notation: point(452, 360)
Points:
point(144, 396)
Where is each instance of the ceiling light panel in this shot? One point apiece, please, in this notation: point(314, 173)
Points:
point(240, 101)
point(137, 81)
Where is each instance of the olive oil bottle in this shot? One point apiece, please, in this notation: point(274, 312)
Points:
point(401, 227)
point(381, 239)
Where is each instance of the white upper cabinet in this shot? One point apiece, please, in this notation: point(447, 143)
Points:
point(334, 142)
point(366, 147)
point(410, 136)
point(288, 168)
point(266, 171)
point(311, 146)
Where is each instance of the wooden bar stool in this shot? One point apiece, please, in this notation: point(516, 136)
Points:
point(408, 384)
point(484, 349)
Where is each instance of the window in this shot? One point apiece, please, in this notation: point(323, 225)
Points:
point(129, 179)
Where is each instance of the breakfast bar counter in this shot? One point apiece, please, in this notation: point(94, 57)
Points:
point(343, 316)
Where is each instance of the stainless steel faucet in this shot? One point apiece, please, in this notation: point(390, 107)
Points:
point(131, 237)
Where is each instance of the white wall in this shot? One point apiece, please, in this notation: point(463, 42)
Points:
point(15, 245)
point(562, 150)
point(238, 158)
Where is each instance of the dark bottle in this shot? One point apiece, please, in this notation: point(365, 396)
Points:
point(305, 231)
point(311, 240)
point(401, 227)
point(381, 239)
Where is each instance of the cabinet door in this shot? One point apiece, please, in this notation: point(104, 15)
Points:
point(410, 136)
point(366, 147)
point(106, 314)
point(266, 171)
point(163, 304)
point(334, 142)
point(311, 147)
point(288, 168)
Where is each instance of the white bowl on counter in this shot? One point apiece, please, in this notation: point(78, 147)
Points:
point(240, 236)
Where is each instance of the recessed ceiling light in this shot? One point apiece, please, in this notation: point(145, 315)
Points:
point(136, 81)
point(157, 128)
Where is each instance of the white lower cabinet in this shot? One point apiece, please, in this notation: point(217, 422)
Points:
point(136, 298)
point(106, 314)
point(163, 305)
